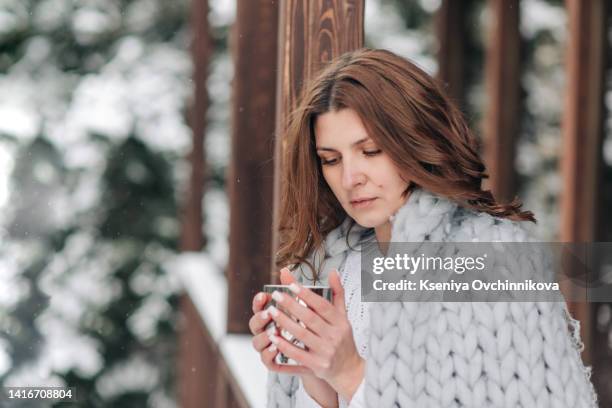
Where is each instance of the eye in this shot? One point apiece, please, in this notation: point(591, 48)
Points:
point(372, 152)
point(329, 162)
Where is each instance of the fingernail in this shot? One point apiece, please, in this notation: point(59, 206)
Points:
point(271, 331)
point(273, 311)
point(264, 315)
point(294, 288)
point(274, 339)
point(260, 297)
point(276, 295)
point(272, 348)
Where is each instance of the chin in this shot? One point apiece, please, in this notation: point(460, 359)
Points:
point(369, 222)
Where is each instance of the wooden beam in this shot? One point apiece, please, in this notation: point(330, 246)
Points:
point(502, 75)
point(581, 162)
point(250, 181)
point(193, 354)
point(311, 33)
point(451, 29)
point(211, 383)
point(198, 358)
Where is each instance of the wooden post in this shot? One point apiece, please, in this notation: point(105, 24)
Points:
point(501, 122)
point(451, 29)
point(311, 33)
point(195, 358)
point(582, 134)
point(192, 238)
point(250, 180)
point(198, 359)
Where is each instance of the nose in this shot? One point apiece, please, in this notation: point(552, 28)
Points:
point(352, 175)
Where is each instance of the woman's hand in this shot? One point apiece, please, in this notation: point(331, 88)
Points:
point(261, 339)
point(332, 354)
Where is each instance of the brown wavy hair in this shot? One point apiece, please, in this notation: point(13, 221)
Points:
point(409, 116)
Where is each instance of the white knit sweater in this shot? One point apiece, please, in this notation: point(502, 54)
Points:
point(462, 354)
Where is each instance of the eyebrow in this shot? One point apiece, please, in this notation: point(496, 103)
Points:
point(360, 141)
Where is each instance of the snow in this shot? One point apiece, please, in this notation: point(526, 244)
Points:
point(13, 287)
point(216, 226)
point(6, 167)
point(217, 140)
point(143, 322)
point(18, 121)
point(97, 99)
point(206, 286)
point(13, 17)
point(51, 14)
point(246, 367)
point(141, 15)
point(607, 151)
point(222, 12)
point(5, 358)
point(385, 28)
point(135, 374)
point(539, 15)
point(34, 375)
point(89, 23)
point(430, 6)
point(65, 349)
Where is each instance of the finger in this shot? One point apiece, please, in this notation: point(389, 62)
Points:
point(269, 354)
point(300, 332)
point(262, 340)
point(258, 321)
point(286, 277)
point(338, 291)
point(313, 321)
point(259, 301)
point(301, 356)
point(320, 305)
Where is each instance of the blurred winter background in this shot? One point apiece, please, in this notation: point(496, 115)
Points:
point(93, 139)
point(94, 97)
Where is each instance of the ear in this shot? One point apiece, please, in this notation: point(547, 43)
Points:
point(337, 290)
point(286, 277)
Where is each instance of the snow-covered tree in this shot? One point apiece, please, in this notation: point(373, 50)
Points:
point(93, 137)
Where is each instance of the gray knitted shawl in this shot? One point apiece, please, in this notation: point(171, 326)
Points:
point(458, 354)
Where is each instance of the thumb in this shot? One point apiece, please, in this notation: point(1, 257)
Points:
point(337, 290)
point(286, 277)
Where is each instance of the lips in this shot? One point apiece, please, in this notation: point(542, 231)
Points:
point(362, 202)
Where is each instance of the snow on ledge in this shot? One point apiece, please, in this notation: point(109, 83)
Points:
point(207, 287)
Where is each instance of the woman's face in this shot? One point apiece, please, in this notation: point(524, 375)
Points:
point(362, 177)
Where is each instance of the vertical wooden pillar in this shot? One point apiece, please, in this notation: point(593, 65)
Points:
point(192, 238)
point(250, 180)
point(451, 29)
point(582, 133)
point(194, 357)
point(501, 123)
point(311, 33)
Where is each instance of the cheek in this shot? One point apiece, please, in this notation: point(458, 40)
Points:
point(387, 177)
point(384, 176)
point(332, 179)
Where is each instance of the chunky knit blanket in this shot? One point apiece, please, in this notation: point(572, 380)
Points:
point(458, 354)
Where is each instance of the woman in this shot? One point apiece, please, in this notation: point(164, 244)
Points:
point(377, 152)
